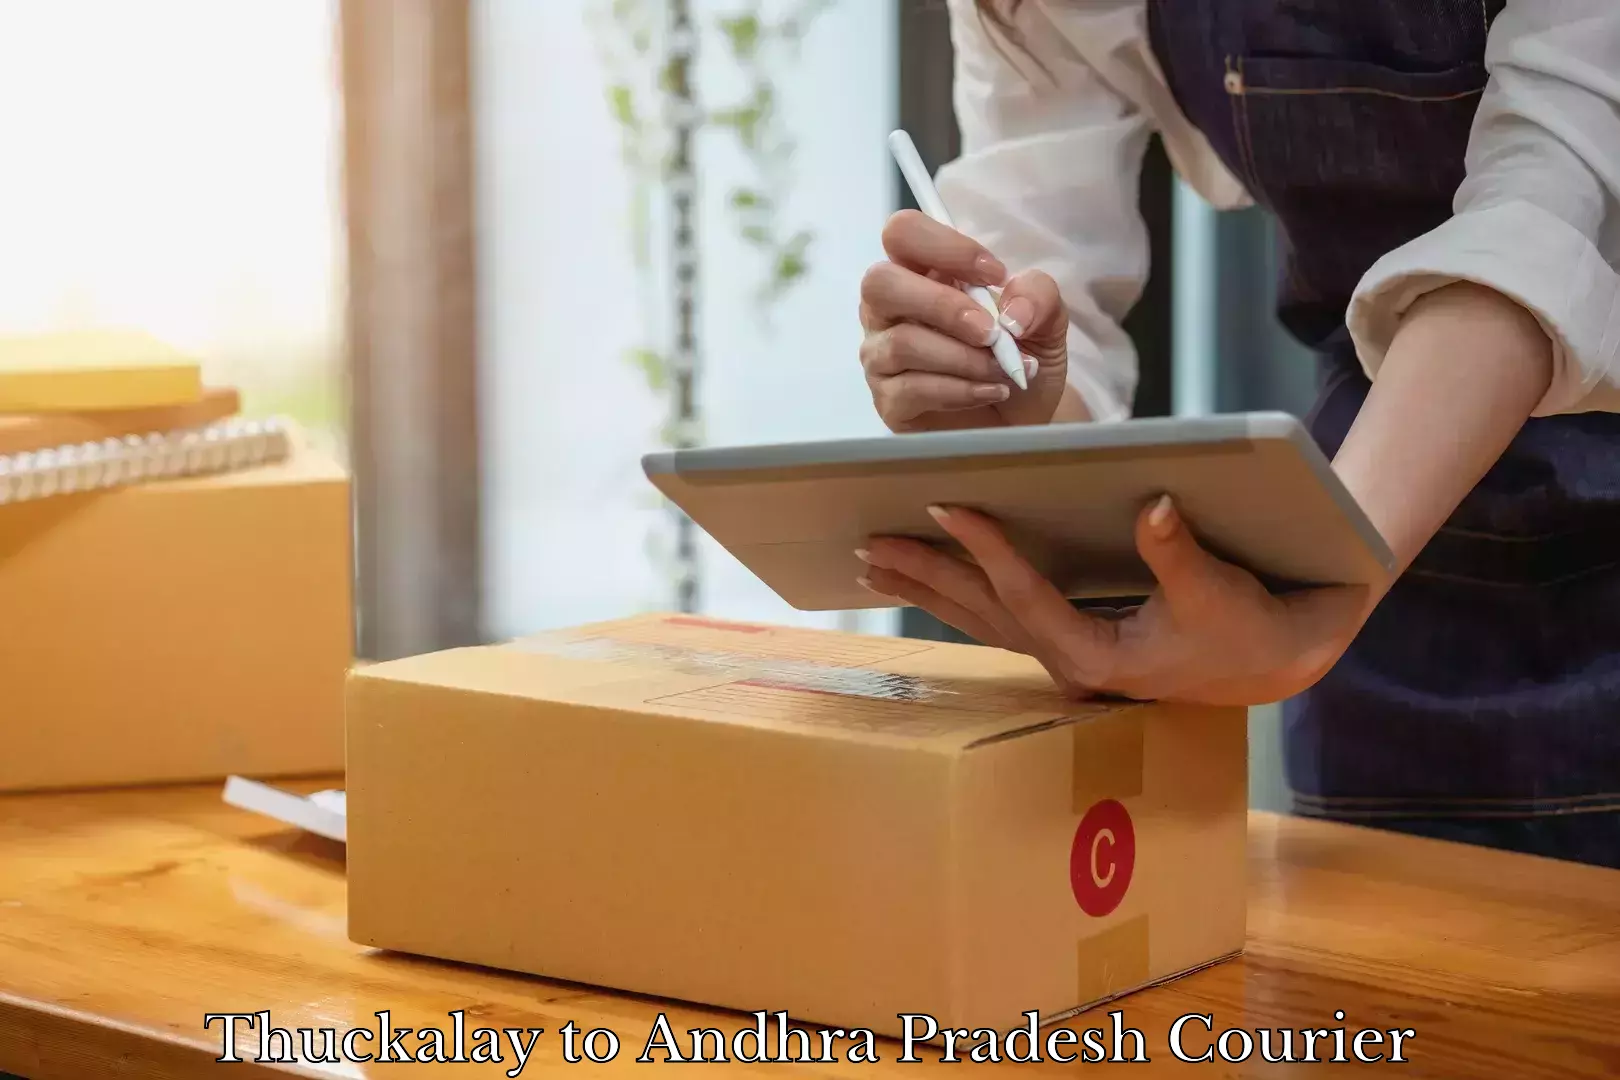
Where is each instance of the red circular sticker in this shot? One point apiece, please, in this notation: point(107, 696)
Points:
point(1102, 858)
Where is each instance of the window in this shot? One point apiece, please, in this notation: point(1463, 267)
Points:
point(172, 166)
point(572, 530)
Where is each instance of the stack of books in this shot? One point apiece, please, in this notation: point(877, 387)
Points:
point(175, 579)
point(90, 411)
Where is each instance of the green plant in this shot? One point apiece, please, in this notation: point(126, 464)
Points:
point(755, 44)
point(650, 49)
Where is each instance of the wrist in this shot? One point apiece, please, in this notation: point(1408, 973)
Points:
point(1071, 407)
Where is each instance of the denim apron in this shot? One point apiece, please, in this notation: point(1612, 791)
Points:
point(1481, 702)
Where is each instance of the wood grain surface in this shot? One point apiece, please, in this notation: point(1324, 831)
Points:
point(127, 917)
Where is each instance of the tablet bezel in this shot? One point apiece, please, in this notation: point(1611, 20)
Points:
point(685, 475)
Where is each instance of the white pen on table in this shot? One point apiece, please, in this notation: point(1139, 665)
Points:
point(922, 187)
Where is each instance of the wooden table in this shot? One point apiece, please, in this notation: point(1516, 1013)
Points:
point(126, 917)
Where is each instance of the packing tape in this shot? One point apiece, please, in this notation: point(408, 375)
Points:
point(795, 660)
point(740, 664)
point(1113, 962)
point(1108, 758)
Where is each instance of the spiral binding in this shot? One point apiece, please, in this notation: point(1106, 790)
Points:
point(224, 446)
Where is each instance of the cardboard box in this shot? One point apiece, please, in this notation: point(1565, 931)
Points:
point(177, 630)
point(846, 828)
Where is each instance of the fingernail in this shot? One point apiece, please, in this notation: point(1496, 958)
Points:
point(939, 514)
point(980, 326)
point(989, 270)
point(1016, 316)
point(1030, 367)
point(990, 393)
point(1161, 519)
point(863, 555)
point(866, 583)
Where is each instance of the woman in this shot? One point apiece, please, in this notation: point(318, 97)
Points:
point(1447, 178)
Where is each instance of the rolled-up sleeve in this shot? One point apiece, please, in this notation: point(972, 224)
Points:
point(1048, 180)
point(1538, 216)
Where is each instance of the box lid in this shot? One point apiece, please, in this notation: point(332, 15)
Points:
point(935, 695)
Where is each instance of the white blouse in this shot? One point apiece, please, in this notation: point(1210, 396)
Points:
point(1048, 176)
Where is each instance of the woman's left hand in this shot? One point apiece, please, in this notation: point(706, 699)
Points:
point(1209, 634)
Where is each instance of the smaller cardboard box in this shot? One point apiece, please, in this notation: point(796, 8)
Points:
point(846, 828)
point(177, 630)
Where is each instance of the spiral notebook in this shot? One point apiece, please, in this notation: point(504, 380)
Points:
point(225, 446)
point(46, 431)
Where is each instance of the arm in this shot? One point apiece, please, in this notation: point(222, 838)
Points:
point(1460, 379)
point(1459, 367)
point(1047, 180)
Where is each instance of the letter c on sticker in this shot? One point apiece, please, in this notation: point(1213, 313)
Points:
point(1101, 880)
point(1102, 858)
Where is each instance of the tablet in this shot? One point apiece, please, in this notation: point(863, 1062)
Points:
point(1254, 488)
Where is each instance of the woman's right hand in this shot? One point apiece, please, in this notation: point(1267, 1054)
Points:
point(926, 353)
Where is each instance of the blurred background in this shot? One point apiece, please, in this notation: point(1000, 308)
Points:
point(489, 252)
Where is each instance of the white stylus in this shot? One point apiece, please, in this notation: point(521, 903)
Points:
point(928, 200)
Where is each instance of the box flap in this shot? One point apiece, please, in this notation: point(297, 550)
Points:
point(832, 684)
